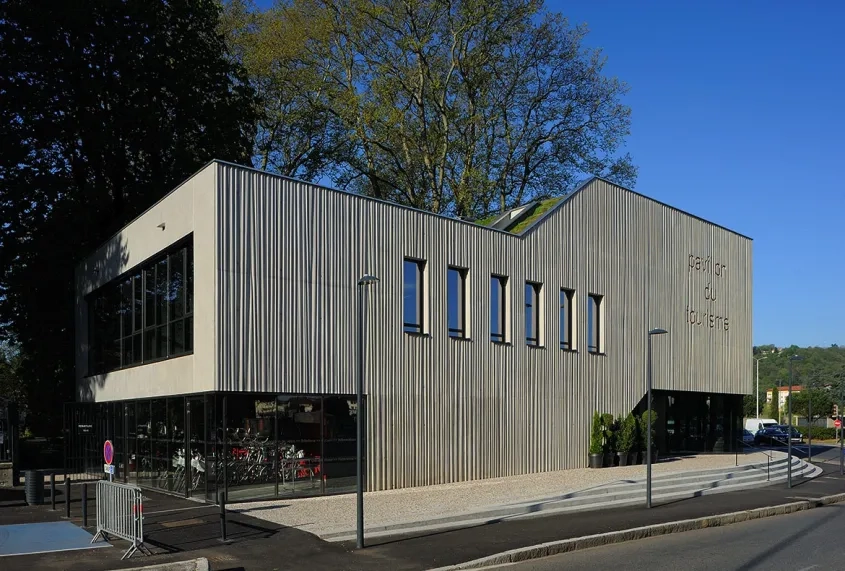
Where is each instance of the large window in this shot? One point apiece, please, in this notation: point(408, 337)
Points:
point(144, 316)
point(456, 279)
point(498, 308)
point(595, 319)
point(532, 313)
point(566, 330)
point(413, 295)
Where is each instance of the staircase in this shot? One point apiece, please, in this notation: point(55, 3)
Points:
point(665, 488)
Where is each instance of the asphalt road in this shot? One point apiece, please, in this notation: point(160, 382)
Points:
point(802, 541)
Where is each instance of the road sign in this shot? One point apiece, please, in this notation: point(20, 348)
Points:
point(108, 452)
point(837, 423)
point(108, 469)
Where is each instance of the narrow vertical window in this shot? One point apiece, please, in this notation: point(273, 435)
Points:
point(413, 295)
point(532, 313)
point(594, 324)
point(498, 307)
point(566, 330)
point(456, 302)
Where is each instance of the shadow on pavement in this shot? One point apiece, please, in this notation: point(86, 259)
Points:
point(772, 551)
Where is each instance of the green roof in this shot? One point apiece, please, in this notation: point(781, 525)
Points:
point(525, 219)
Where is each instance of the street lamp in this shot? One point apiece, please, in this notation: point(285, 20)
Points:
point(789, 414)
point(648, 428)
point(363, 283)
point(757, 360)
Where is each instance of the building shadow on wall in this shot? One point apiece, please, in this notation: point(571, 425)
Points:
point(91, 275)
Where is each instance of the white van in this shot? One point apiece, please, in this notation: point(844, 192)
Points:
point(752, 425)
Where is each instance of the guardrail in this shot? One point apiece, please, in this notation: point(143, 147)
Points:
point(120, 513)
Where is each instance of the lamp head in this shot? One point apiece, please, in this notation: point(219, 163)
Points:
point(367, 280)
point(657, 331)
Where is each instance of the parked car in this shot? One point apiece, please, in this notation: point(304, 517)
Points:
point(796, 436)
point(747, 437)
point(771, 436)
point(755, 424)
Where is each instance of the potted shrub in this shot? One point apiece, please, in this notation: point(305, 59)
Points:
point(609, 427)
point(625, 442)
point(596, 452)
point(646, 425)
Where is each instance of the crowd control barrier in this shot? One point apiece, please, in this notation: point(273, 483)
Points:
point(120, 513)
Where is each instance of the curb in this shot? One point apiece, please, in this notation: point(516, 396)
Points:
point(200, 564)
point(586, 542)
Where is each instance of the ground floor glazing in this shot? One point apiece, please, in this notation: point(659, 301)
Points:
point(697, 422)
point(249, 445)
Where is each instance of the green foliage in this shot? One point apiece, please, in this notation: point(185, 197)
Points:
point(749, 404)
point(609, 429)
point(459, 108)
point(627, 434)
point(771, 410)
point(596, 434)
point(818, 365)
point(815, 400)
point(644, 426)
point(819, 432)
point(105, 109)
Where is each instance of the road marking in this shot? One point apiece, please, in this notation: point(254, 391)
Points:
point(808, 568)
point(808, 498)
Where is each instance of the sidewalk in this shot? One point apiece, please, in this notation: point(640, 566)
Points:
point(258, 545)
point(327, 516)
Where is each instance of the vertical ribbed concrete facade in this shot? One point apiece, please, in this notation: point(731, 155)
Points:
point(286, 259)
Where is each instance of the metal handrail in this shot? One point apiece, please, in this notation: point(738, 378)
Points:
point(769, 457)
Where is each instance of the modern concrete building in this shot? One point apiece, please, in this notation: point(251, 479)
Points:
point(488, 348)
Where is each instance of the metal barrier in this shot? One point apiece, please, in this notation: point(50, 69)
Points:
point(120, 513)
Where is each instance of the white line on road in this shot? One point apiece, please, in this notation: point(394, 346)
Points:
point(808, 568)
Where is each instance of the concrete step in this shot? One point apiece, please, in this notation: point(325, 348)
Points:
point(681, 484)
point(670, 487)
point(705, 476)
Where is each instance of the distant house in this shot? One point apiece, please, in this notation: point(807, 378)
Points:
point(783, 392)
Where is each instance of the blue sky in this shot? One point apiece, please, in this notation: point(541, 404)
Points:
point(738, 118)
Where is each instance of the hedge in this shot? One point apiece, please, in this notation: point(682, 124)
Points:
point(819, 432)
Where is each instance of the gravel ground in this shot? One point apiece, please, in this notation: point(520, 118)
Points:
point(331, 514)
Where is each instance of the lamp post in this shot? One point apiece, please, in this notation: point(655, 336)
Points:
point(757, 361)
point(656, 331)
point(789, 415)
point(841, 378)
point(363, 283)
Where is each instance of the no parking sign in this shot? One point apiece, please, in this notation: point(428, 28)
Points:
point(108, 457)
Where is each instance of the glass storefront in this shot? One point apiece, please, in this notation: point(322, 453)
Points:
point(690, 422)
point(252, 445)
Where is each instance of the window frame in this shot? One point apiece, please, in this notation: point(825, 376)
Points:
point(566, 314)
point(461, 333)
point(407, 327)
point(135, 279)
point(595, 300)
point(503, 281)
point(535, 289)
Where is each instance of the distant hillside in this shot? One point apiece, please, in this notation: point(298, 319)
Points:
point(821, 364)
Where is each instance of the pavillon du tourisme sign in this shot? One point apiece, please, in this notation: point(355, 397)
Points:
point(712, 275)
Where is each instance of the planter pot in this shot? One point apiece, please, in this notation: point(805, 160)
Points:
point(633, 458)
point(623, 458)
point(609, 460)
point(596, 460)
